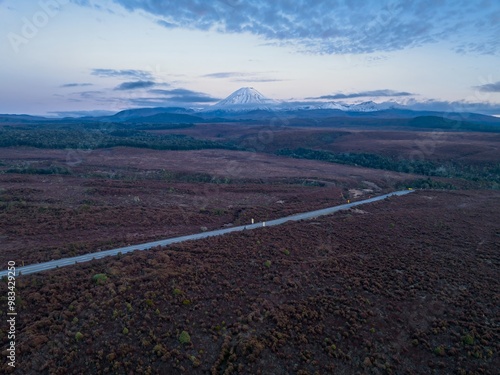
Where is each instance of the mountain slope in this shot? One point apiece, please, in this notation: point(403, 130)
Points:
point(146, 112)
point(244, 99)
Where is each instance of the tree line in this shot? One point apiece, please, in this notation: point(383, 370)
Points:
point(94, 139)
point(489, 173)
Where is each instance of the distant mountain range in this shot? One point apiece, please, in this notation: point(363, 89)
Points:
point(249, 99)
point(249, 104)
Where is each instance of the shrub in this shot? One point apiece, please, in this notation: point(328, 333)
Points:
point(184, 338)
point(439, 350)
point(159, 350)
point(78, 336)
point(468, 339)
point(99, 278)
point(195, 361)
point(125, 331)
point(267, 263)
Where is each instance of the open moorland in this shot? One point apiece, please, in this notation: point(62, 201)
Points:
point(407, 285)
point(121, 196)
point(430, 144)
point(403, 286)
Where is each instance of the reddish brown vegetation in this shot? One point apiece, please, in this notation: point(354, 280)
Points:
point(469, 147)
point(404, 286)
point(128, 196)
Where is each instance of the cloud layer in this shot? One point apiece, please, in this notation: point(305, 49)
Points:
point(364, 94)
point(136, 96)
point(125, 73)
point(329, 27)
point(455, 107)
point(183, 96)
point(242, 76)
point(490, 87)
point(135, 85)
point(76, 85)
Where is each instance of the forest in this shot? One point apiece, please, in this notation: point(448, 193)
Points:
point(90, 139)
point(487, 174)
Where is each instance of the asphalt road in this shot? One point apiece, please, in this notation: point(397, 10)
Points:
point(145, 246)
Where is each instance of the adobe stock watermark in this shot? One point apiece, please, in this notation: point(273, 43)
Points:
point(31, 26)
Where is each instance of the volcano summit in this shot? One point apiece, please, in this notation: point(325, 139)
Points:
point(246, 98)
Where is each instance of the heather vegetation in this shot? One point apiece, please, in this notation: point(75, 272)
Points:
point(405, 285)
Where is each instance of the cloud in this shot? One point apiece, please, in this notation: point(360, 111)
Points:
point(126, 73)
point(149, 102)
point(362, 94)
point(489, 87)
point(454, 106)
point(183, 96)
point(227, 75)
point(258, 80)
point(172, 92)
point(90, 94)
point(150, 98)
point(166, 24)
point(242, 77)
point(335, 27)
point(135, 85)
point(76, 85)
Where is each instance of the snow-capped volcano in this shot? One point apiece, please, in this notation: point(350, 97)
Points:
point(245, 95)
point(249, 99)
point(246, 98)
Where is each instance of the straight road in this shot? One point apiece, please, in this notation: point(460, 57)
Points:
point(145, 246)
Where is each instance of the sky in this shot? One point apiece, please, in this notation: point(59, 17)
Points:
point(84, 57)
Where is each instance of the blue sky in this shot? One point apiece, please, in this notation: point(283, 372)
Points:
point(73, 56)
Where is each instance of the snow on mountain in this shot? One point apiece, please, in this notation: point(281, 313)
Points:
point(345, 107)
point(364, 107)
point(245, 95)
point(249, 99)
point(335, 105)
point(368, 106)
point(371, 106)
point(246, 98)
